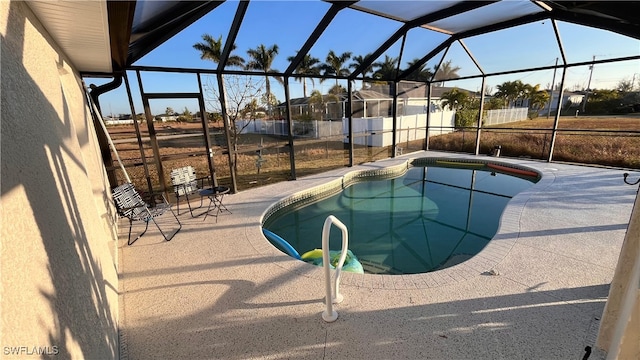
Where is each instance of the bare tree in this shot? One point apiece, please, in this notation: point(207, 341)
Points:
point(241, 93)
point(625, 85)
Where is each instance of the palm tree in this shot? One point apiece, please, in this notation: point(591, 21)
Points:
point(357, 62)
point(318, 102)
point(336, 92)
point(261, 59)
point(316, 99)
point(308, 66)
point(334, 64)
point(387, 70)
point(211, 49)
point(511, 91)
point(421, 73)
point(455, 99)
point(537, 98)
point(446, 71)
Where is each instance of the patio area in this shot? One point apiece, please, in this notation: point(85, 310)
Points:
point(221, 290)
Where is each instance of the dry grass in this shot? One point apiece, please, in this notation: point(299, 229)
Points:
point(316, 156)
point(312, 156)
point(603, 148)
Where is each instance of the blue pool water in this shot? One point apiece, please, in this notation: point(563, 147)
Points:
point(429, 218)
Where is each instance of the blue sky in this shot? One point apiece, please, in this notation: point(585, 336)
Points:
point(289, 23)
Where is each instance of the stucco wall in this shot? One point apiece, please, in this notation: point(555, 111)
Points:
point(58, 255)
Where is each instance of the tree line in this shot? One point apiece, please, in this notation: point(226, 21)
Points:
point(262, 57)
point(508, 94)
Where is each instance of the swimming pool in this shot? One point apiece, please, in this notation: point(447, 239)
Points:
point(420, 219)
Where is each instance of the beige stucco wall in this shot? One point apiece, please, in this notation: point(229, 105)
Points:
point(58, 264)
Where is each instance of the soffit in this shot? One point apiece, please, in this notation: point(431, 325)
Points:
point(80, 28)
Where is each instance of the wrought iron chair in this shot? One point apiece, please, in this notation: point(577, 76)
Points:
point(186, 183)
point(130, 205)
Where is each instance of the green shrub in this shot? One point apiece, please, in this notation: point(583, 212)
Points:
point(466, 118)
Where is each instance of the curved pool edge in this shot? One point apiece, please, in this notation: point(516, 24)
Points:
point(487, 259)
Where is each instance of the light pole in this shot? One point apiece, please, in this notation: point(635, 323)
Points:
point(586, 94)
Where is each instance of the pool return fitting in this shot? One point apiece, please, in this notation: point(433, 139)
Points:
point(330, 315)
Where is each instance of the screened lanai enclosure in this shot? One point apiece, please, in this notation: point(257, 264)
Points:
point(254, 92)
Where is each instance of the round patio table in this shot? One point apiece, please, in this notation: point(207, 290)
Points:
point(215, 195)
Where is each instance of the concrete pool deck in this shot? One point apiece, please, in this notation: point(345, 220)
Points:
point(222, 291)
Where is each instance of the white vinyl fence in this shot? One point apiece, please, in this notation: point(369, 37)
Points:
point(118, 122)
point(311, 129)
point(374, 131)
point(378, 131)
point(503, 116)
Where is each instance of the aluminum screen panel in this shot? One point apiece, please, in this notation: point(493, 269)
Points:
point(485, 16)
point(403, 10)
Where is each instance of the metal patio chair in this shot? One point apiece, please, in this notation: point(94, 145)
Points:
point(130, 205)
point(185, 183)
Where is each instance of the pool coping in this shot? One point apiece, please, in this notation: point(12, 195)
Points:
point(481, 264)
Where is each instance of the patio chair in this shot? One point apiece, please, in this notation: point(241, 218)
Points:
point(186, 183)
point(130, 205)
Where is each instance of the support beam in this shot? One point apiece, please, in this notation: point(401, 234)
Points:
point(121, 14)
point(475, 62)
point(600, 20)
point(136, 126)
point(317, 32)
point(407, 72)
point(231, 150)
point(620, 326)
point(556, 31)
point(150, 35)
point(394, 117)
point(350, 120)
point(152, 135)
point(554, 132)
point(233, 33)
point(456, 9)
point(428, 125)
point(379, 51)
point(207, 138)
point(479, 124)
point(292, 158)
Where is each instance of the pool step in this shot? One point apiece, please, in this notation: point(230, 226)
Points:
point(372, 267)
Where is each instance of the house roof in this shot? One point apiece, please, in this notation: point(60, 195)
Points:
point(108, 36)
point(368, 94)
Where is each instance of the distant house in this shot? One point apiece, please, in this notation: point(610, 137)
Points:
point(165, 118)
point(570, 99)
point(376, 101)
point(122, 119)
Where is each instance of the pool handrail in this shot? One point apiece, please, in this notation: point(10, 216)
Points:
point(330, 315)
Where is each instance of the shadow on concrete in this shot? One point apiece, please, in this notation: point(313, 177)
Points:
point(535, 325)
